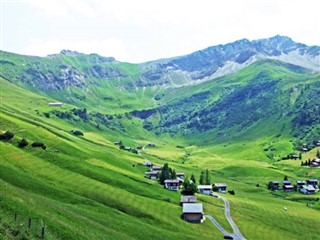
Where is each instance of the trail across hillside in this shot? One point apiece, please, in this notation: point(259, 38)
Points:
point(237, 234)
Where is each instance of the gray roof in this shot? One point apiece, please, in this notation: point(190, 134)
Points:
point(188, 199)
point(151, 173)
point(309, 188)
point(171, 181)
point(220, 185)
point(204, 186)
point(192, 208)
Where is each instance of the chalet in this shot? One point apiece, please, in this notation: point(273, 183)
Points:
point(156, 168)
point(152, 175)
point(315, 163)
point(313, 182)
point(286, 182)
point(180, 175)
point(318, 143)
point(221, 187)
point(288, 188)
point(188, 199)
point(205, 189)
point(148, 164)
point(139, 147)
point(172, 184)
point(127, 148)
point(300, 184)
point(151, 145)
point(304, 149)
point(55, 104)
point(308, 189)
point(192, 212)
point(117, 143)
point(275, 185)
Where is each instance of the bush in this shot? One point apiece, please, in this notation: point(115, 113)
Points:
point(77, 132)
point(231, 192)
point(6, 136)
point(39, 144)
point(23, 143)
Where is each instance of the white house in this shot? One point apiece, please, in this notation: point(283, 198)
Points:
point(172, 184)
point(308, 189)
point(205, 189)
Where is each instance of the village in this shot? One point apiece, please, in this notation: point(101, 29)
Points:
point(192, 211)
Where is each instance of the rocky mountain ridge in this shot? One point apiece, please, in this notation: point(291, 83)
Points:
point(71, 68)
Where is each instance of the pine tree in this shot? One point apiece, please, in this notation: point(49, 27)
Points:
point(164, 174)
point(318, 154)
point(193, 179)
point(202, 177)
point(207, 178)
point(285, 178)
point(173, 174)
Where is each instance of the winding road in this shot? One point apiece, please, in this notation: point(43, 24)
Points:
point(237, 234)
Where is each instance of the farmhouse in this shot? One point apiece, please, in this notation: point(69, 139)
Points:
point(275, 184)
point(300, 184)
point(156, 168)
point(313, 182)
point(192, 212)
point(205, 189)
point(172, 184)
point(55, 104)
point(127, 148)
point(315, 163)
point(308, 189)
point(148, 164)
point(221, 187)
point(188, 199)
point(180, 175)
point(151, 145)
point(117, 143)
point(288, 188)
point(139, 147)
point(304, 149)
point(286, 182)
point(151, 175)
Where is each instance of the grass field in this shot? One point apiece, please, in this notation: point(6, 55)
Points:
point(86, 188)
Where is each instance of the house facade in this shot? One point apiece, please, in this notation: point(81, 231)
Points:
point(172, 184)
point(308, 189)
point(192, 212)
point(205, 189)
point(151, 175)
point(221, 187)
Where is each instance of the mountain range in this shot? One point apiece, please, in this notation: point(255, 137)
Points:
point(224, 90)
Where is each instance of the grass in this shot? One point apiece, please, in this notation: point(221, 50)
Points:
point(86, 188)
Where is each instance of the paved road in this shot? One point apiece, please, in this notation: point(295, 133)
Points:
point(237, 234)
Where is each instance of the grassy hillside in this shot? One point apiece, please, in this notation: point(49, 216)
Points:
point(85, 187)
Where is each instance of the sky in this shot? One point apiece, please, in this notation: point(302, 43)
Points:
point(144, 30)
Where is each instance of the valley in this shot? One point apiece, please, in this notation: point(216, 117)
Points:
point(238, 125)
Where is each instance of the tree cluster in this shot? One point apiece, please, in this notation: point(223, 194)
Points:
point(167, 173)
point(189, 187)
point(205, 178)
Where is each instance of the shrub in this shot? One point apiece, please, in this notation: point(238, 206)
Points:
point(23, 143)
point(39, 144)
point(77, 132)
point(6, 136)
point(231, 192)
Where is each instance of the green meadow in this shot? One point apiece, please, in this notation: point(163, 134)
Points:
point(85, 187)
